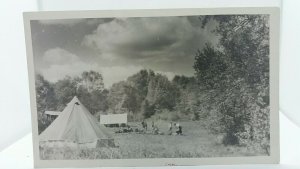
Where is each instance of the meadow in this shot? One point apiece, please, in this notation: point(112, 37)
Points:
point(196, 142)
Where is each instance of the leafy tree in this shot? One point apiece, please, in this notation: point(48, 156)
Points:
point(244, 39)
point(187, 102)
point(210, 66)
point(116, 97)
point(184, 82)
point(140, 82)
point(142, 94)
point(65, 90)
point(90, 90)
point(161, 92)
point(147, 109)
point(238, 68)
point(45, 100)
point(131, 102)
point(92, 81)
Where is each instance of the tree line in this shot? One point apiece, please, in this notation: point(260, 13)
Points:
point(229, 92)
point(143, 95)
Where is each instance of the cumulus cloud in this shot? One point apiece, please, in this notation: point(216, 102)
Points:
point(61, 63)
point(149, 41)
point(129, 37)
point(110, 75)
point(58, 56)
point(119, 47)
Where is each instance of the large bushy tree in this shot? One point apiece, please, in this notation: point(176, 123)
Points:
point(238, 71)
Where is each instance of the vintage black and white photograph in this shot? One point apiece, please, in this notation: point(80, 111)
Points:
point(191, 86)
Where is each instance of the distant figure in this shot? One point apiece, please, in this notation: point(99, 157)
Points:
point(170, 128)
point(144, 125)
point(129, 129)
point(152, 125)
point(155, 130)
point(179, 131)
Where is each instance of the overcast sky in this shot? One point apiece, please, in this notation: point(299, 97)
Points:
point(118, 47)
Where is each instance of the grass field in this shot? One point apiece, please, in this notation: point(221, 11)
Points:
point(195, 142)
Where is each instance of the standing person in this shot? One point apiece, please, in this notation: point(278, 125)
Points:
point(152, 125)
point(176, 127)
point(143, 125)
point(156, 131)
point(170, 128)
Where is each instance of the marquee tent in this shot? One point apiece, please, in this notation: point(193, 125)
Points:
point(76, 126)
point(109, 119)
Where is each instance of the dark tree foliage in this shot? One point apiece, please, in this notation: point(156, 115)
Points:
point(244, 40)
point(140, 82)
point(187, 99)
point(161, 92)
point(210, 66)
point(65, 90)
point(123, 97)
point(238, 72)
point(183, 82)
point(147, 109)
point(45, 100)
point(92, 81)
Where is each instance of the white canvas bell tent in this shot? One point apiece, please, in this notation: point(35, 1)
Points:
point(76, 126)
